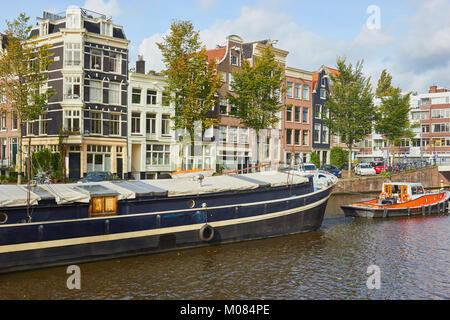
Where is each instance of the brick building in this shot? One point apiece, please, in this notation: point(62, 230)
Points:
point(9, 128)
point(236, 144)
point(297, 118)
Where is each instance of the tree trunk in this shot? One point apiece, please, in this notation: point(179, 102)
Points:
point(260, 150)
point(20, 151)
point(349, 161)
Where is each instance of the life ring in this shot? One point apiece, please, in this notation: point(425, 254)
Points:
point(206, 232)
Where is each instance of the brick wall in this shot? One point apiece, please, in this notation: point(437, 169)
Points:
point(429, 177)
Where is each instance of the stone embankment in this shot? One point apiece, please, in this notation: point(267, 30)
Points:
point(429, 177)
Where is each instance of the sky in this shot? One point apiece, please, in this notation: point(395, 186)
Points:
point(409, 38)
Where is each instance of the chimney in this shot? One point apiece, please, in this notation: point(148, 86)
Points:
point(433, 89)
point(140, 64)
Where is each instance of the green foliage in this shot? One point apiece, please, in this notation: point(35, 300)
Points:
point(23, 73)
point(393, 112)
point(192, 79)
point(257, 89)
point(315, 159)
point(350, 103)
point(41, 161)
point(338, 156)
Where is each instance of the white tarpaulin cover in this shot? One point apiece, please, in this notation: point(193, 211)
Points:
point(65, 193)
point(178, 187)
point(14, 196)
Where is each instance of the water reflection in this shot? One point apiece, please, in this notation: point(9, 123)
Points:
point(413, 254)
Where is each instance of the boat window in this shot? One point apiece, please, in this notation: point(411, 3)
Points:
point(420, 190)
point(3, 217)
point(102, 206)
point(414, 190)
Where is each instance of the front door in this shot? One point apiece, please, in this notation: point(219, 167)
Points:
point(120, 168)
point(74, 165)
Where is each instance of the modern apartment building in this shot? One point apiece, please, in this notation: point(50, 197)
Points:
point(430, 112)
point(90, 78)
point(152, 149)
point(236, 144)
point(297, 117)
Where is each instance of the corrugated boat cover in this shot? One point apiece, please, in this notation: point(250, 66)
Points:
point(15, 196)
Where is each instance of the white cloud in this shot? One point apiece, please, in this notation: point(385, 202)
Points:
point(152, 54)
point(417, 59)
point(109, 8)
point(205, 5)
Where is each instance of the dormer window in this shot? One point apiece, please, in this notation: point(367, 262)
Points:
point(44, 28)
point(105, 28)
point(73, 21)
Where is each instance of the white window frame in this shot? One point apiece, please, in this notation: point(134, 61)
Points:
point(70, 115)
point(135, 123)
point(96, 56)
point(72, 54)
point(96, 121)
point(71, 83)
point(95, 91)
point(114, 93)
point(115, 62)
point(115, 122)
point(165, 124)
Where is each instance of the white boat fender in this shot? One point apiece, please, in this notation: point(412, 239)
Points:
point(206, 232)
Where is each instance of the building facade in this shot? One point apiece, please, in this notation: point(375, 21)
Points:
point(321, 143)
point(297, 117)
point(236, 145)
point(152, 148)
point(9, 129)
point(90, 77)
point(430, 113)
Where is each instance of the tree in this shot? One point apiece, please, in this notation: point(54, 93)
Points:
point(23, 75)
point(315, 159)
point(193, 81)
point(338, 156)
point(257, 94)
point(393, 112)
point(350, 102)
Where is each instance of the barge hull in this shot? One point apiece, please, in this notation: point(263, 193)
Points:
point(32, 255)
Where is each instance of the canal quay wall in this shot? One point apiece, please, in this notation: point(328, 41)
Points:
point(429, 177)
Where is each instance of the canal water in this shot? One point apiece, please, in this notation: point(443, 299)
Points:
point(412, 256)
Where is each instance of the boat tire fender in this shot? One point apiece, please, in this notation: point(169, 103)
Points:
point(206, 232)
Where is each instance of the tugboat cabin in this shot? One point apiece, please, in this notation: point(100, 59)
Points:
point(399, 192)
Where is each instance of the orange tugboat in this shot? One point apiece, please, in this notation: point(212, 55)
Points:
point(400, 199)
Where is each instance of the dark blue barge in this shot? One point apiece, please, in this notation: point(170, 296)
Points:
point(73, 223)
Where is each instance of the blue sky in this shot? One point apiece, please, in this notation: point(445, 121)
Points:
point(412, 41)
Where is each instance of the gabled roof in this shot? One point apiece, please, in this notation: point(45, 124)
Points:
point(329, 70)
point(216, 54)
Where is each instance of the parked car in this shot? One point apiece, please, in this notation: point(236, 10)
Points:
point(379, 166)
point(97, 177)
point(364, 169)
point(331, 168)
point(309, 168)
